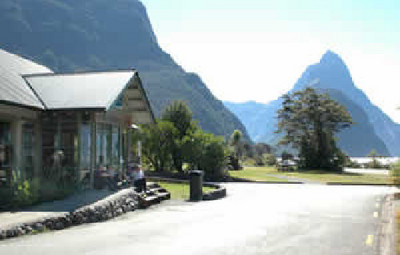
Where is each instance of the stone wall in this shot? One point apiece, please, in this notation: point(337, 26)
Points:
point(124, 201)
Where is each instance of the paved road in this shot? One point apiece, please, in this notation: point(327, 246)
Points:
point(275, 219)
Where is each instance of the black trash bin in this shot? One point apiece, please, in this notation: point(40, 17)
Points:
point(196, 185)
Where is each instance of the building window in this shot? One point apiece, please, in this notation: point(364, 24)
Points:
point(28, 149)
point(60, 143)
point(107, 146)
point(103, 144)
point(115, 147)
point(5, 152)
point(85, 141)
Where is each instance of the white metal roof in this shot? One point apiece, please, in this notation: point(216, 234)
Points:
point(89, 90)
point(13, 88)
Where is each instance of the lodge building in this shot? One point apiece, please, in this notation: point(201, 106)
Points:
point(74, 121)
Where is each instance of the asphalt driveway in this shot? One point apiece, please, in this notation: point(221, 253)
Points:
point(252, 219)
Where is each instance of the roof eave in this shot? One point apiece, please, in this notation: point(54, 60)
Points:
point(30, 107)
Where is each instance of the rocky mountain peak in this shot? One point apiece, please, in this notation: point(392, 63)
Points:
point(331, 58)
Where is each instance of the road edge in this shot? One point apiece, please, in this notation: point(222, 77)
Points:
point(387, 234)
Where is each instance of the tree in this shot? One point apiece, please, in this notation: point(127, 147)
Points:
point(206, 152)
point(262, 148)
point(236, 144)
point(309, 121)
point(157, 143)
point(373, 154)
point(374, 163)
point(179, 114)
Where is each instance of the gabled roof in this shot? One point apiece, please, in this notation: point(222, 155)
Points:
point(88, 90)
point(13, 88)
point(25, 83)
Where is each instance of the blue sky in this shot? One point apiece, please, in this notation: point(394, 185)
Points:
point(264, 46)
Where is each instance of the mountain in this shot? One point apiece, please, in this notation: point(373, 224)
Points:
point(373, 129)
point(254, 116)
point(70, 35)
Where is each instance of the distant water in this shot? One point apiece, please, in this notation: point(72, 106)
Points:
point(382, 160)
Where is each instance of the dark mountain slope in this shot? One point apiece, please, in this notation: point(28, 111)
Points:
point(360, 139)
point(70, 35)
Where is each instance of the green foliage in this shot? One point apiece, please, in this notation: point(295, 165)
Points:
point(236, 137)
point(235, 156)
point(20, 193)
point(395, 173)
point(351, 163)
point(309, 121)
point(176, 141)
point(258, 154)
point(262, 148)
point(23, 191)
point(270, 159)
point(374, 163)
point(206, 152)
point(180, 116)
point(157, 143)
point(373, 154)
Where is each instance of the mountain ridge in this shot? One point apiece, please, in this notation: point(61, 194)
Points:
point(331, 73)
point(69, 35)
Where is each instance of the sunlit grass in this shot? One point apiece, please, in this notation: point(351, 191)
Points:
point(260, 174)
point(257, 174)
point(180, 191)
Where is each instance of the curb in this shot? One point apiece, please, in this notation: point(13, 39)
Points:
point(359, 184)
point(219, 193)
point(387, 244)
point(243, 180)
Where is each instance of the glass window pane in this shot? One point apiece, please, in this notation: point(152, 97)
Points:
point(5, 152)
point(115, 147)
point(85, 146)
point(28, 149)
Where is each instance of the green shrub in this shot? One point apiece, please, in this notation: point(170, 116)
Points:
point(206, 152)
point(213, 160)
point(395, 173)
point(23, 192)
point(259, 161)
point(270, 159)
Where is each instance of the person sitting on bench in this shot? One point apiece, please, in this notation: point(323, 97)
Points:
point(139, 181)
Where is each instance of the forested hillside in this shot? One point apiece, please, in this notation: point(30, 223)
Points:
point(70, 35)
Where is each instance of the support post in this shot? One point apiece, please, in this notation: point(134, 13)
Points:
point(37, 148)
point(93, 148)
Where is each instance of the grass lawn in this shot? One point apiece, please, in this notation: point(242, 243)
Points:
point(180, 191)
point(258, 174)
